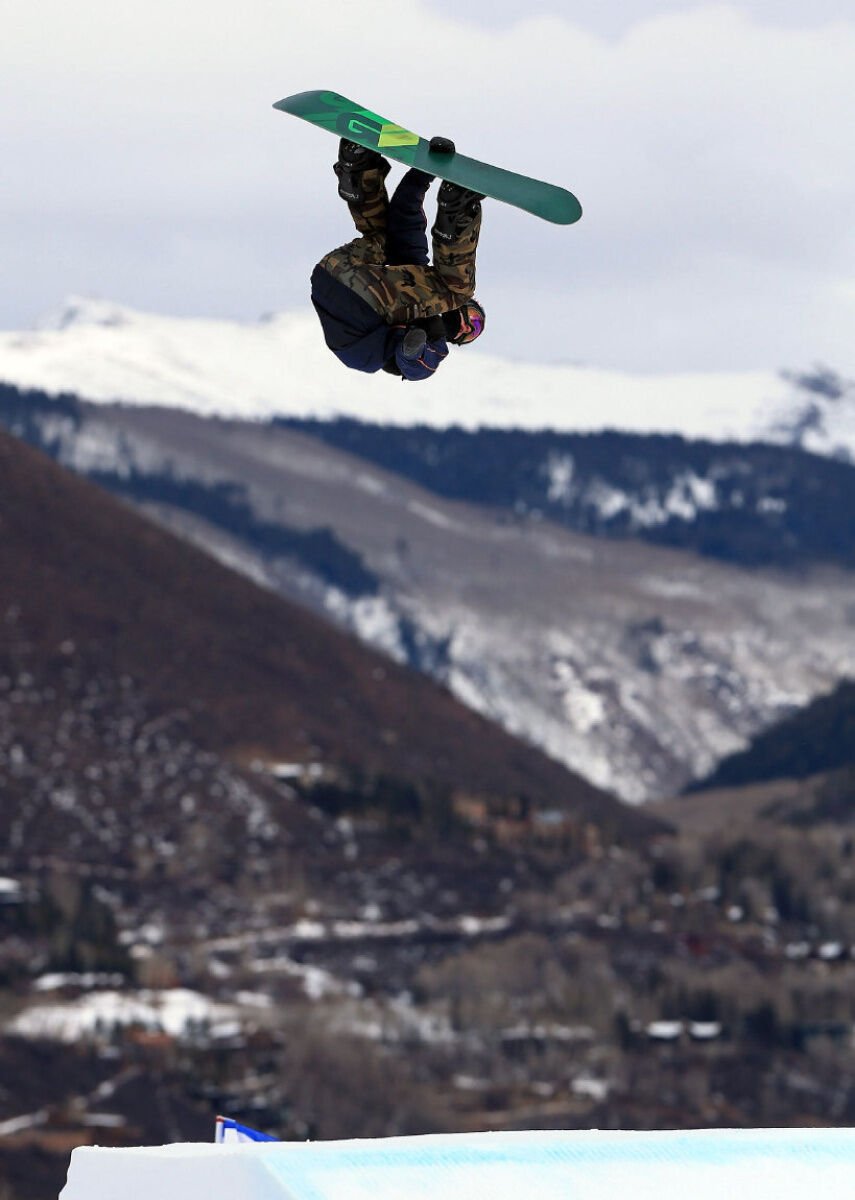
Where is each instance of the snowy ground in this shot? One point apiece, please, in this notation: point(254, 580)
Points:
point(591, 1165)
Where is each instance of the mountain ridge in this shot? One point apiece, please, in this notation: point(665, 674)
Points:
point(279, 366)
point(752, 504)
point(818, 738)
point(637, 664)
point(255, 675)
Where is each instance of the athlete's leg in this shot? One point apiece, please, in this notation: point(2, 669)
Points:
point(406, 229)
point(455, 238)
point(368, 208)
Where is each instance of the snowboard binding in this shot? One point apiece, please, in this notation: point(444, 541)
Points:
point(457, 209)
point(353, 161)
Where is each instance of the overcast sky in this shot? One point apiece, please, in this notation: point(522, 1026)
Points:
point(710, 145)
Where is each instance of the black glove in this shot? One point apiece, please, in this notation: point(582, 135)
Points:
point(435, 329)
point(451, 324)
point(414, 343)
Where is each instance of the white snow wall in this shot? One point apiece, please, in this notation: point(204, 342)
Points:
point(754, 1164)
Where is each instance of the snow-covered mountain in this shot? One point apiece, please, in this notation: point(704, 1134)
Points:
point(458, 550)
point(102, 351)
point(637, 665)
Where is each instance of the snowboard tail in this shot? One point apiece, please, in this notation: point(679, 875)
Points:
point(344, 118)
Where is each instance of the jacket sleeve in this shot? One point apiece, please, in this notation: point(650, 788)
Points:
point(427, 362)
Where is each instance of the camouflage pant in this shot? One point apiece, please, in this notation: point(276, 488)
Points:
point(402, 294)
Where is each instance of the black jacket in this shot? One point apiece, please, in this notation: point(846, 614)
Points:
point(360, 337)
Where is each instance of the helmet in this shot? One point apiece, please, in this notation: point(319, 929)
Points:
point(464, 324)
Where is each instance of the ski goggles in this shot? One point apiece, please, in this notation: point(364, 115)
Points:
point(471, 319)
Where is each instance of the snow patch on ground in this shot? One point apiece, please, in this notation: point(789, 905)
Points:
point(174, 1011)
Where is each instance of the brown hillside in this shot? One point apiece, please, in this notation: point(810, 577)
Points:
point(257, 675)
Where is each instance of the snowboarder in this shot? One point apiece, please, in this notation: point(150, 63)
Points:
point(380, 304)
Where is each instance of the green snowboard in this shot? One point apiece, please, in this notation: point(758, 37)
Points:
point(345, 119)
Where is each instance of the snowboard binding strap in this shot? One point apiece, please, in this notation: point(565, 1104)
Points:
point(353, 161)
point(457, 208)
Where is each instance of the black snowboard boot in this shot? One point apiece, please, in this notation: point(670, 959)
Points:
point(353, 161)
point(456, 209)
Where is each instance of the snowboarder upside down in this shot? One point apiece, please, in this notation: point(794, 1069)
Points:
point(380, 303)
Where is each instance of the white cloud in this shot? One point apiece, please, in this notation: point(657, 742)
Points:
point(709, 148)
